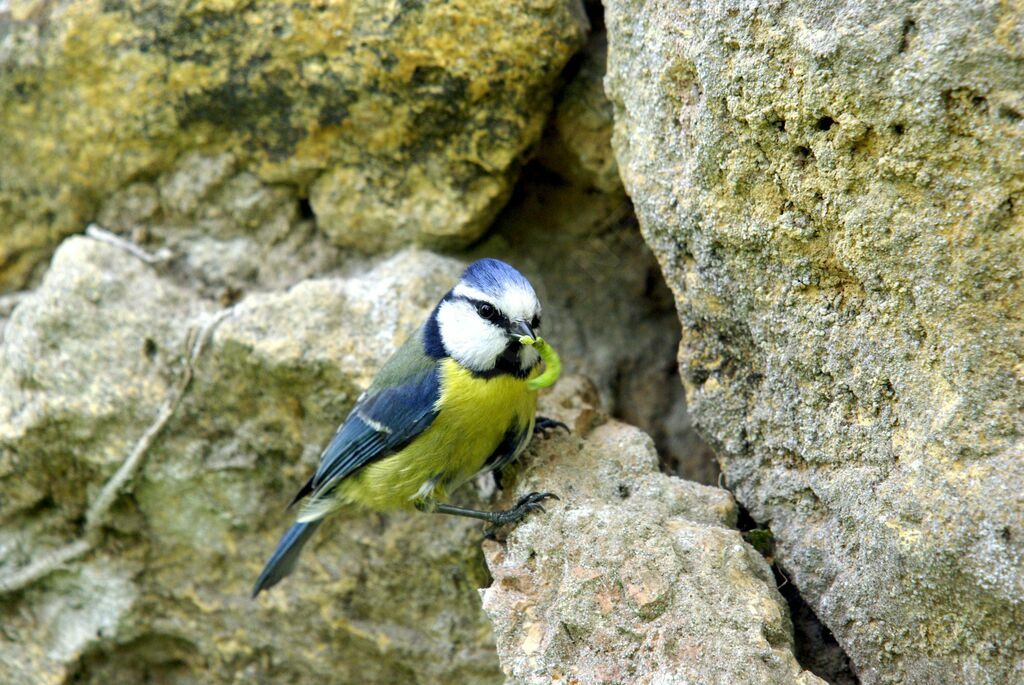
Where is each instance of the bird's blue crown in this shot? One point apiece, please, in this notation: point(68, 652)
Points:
point(493, 277)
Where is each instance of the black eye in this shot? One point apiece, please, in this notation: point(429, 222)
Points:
point(535, 324)
point(486, 311)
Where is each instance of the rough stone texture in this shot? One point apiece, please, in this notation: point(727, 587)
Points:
point(575, 235)
point(606, 305)
point(225, 231)
point(578, 142)
point(404, 121)
point(85, 364)
point(635, 576)
point(86, 359)
point(834, 191)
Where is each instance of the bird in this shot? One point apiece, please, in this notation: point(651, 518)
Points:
point(453, 402)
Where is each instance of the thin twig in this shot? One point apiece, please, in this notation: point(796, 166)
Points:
point(785, 580)
point(97, 513)
point(104, 236)
point(101, 506)
point(44, 565)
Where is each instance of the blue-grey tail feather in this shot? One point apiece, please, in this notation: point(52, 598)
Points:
point(282, 561)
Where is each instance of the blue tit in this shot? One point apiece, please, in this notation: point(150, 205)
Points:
point(453, 402)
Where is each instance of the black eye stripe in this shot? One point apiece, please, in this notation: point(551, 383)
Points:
point(498, 318)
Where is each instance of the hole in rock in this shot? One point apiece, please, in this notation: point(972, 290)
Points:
point(908, 31)
point(1011, 115)
point(305, 209)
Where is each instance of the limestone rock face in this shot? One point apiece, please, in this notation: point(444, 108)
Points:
point(400, 121)
point(222, 230)
point(634, 576)
point(85, 364)
point(259, 154)
point(86, 360)
point(834, 192)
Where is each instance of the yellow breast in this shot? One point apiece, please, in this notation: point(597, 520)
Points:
point(473, 415)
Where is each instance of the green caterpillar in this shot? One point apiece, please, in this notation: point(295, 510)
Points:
point(552, 363)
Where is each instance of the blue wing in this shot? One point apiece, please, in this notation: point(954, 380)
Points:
point(398, 406)
point(385, 419)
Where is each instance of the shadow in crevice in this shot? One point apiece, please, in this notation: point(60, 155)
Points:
point(816, 649)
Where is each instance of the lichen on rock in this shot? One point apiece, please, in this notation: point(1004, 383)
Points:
point(834, 194)
point(578, 142)
point(405, 121)
point(605, 304)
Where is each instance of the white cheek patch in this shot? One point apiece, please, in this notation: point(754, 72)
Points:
point(471, 341)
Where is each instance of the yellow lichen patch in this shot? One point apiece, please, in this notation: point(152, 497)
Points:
point(452, 93)
point(907, 536)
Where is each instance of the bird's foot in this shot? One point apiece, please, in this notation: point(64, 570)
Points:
point(524, 506)
point(543, 424)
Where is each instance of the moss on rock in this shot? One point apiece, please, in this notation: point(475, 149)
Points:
point(383, 110)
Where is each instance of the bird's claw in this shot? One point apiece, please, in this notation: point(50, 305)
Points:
point(543, 424)
point(526, 504)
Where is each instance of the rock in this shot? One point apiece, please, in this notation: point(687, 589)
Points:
point(606, 305)
point(8, 302)
point(609, 314)
point(225, 232)
point(84, 368)
point(400, 122)
point(578, 142)
point(834, 194)
point(165, 594)
point(634, 576)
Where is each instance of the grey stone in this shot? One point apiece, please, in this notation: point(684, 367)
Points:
point(84, 367)
point(606, 307)
point(634, 576)
point(834, 194)
point(225, 233)
point(164, 595)
point(578, 142)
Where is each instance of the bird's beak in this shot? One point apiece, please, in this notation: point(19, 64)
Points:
point(520, 328)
